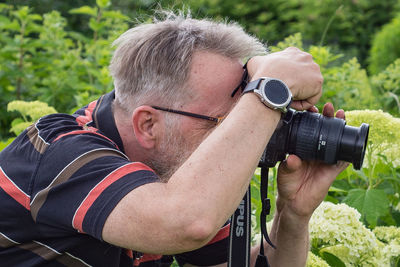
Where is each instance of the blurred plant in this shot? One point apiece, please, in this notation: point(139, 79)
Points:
point(295, 40)
point(106, 26)
point(339, 237)
point(346, 86)
point(315, 261)
point(387, 83)
point(43, 61)
point(29, 111)
point(17, 28)
point(372, 190)
point(385, 47)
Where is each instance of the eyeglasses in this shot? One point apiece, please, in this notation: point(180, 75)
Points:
point(242, 85)
point(217, 120)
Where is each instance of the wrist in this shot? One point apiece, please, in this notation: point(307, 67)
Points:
point(289, 219)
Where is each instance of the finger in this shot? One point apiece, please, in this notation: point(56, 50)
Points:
point(328, 110)
point(300, 105)
point(313, 109)
point(340, 114)
point(291, 164)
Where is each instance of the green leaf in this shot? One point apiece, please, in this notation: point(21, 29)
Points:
point(335, 189)
point(35, 17)
point(332, 260)
point(371, 203)
point(94, 25)
point(85, 10)
point(115, 15)
point(103, 3)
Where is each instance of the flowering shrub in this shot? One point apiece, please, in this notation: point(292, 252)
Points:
point(387, 83)
point(30, 112)
point(336, 229)
point(345, 85)
point(384, 135)
point(315, 261)
point(385, 46)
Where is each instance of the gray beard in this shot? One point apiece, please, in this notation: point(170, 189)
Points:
point(171, 154)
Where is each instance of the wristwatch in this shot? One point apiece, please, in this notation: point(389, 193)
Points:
point(272, 92)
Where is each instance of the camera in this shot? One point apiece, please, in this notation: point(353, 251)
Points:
point(312, 136)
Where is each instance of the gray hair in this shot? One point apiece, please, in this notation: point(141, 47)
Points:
point(151, 64)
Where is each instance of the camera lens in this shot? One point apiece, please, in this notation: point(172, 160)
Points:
point(353, 144)
point(315, 137)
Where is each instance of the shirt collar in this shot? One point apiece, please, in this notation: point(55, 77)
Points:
point(103, 118)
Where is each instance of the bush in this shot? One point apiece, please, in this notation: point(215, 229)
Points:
point(387, 84)
point(385, 46)
point(338, 237)
point(346, 85)
point(43, 61)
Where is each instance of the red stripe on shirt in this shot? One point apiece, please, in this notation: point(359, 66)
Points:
point(100, 187)
point(13, 190)
point(91, 130)
point(222, 234)
point(84, 119)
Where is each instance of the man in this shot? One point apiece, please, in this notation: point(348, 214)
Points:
point(130, 178)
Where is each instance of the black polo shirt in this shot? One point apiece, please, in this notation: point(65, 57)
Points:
point(59, 181)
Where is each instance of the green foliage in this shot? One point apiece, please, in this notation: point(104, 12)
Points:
point(348, 24)
point(372, 190)
point(347, 86)
point(29, 111)
point(295, 40)
point(43, 61)
point(371, 203)
point(387, 84)
point(385, 46)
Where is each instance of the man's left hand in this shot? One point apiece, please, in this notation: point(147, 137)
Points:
point(302, 185)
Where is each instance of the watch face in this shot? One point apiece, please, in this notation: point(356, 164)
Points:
point(276, 92)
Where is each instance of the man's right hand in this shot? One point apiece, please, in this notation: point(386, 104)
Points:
point(297, 69)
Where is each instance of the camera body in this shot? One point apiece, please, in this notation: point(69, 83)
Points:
point(312, 136)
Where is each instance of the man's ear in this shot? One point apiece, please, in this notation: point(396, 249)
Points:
point(147, 126)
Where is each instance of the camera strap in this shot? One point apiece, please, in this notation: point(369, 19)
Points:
point(262, 259)
point(239, 236)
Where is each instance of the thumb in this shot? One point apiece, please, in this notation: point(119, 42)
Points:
point(290, 165)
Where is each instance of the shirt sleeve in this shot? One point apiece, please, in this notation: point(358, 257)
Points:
point(215, 252)
point(80, 180)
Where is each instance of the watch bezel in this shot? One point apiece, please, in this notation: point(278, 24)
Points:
point(264, 98)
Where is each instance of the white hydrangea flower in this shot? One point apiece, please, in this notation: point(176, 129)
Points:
point(390, 235)
point(315, 261)
point(387, 233)
point(337, 229)
point(384, 136)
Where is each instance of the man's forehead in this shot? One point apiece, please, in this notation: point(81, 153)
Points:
point(213, 77)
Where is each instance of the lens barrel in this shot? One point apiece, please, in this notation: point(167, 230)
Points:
point(312, 136)
point(353, 144)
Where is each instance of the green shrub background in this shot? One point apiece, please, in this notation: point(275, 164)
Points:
point(54, 55)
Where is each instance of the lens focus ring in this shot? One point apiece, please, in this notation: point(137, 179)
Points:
point(308, 125)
